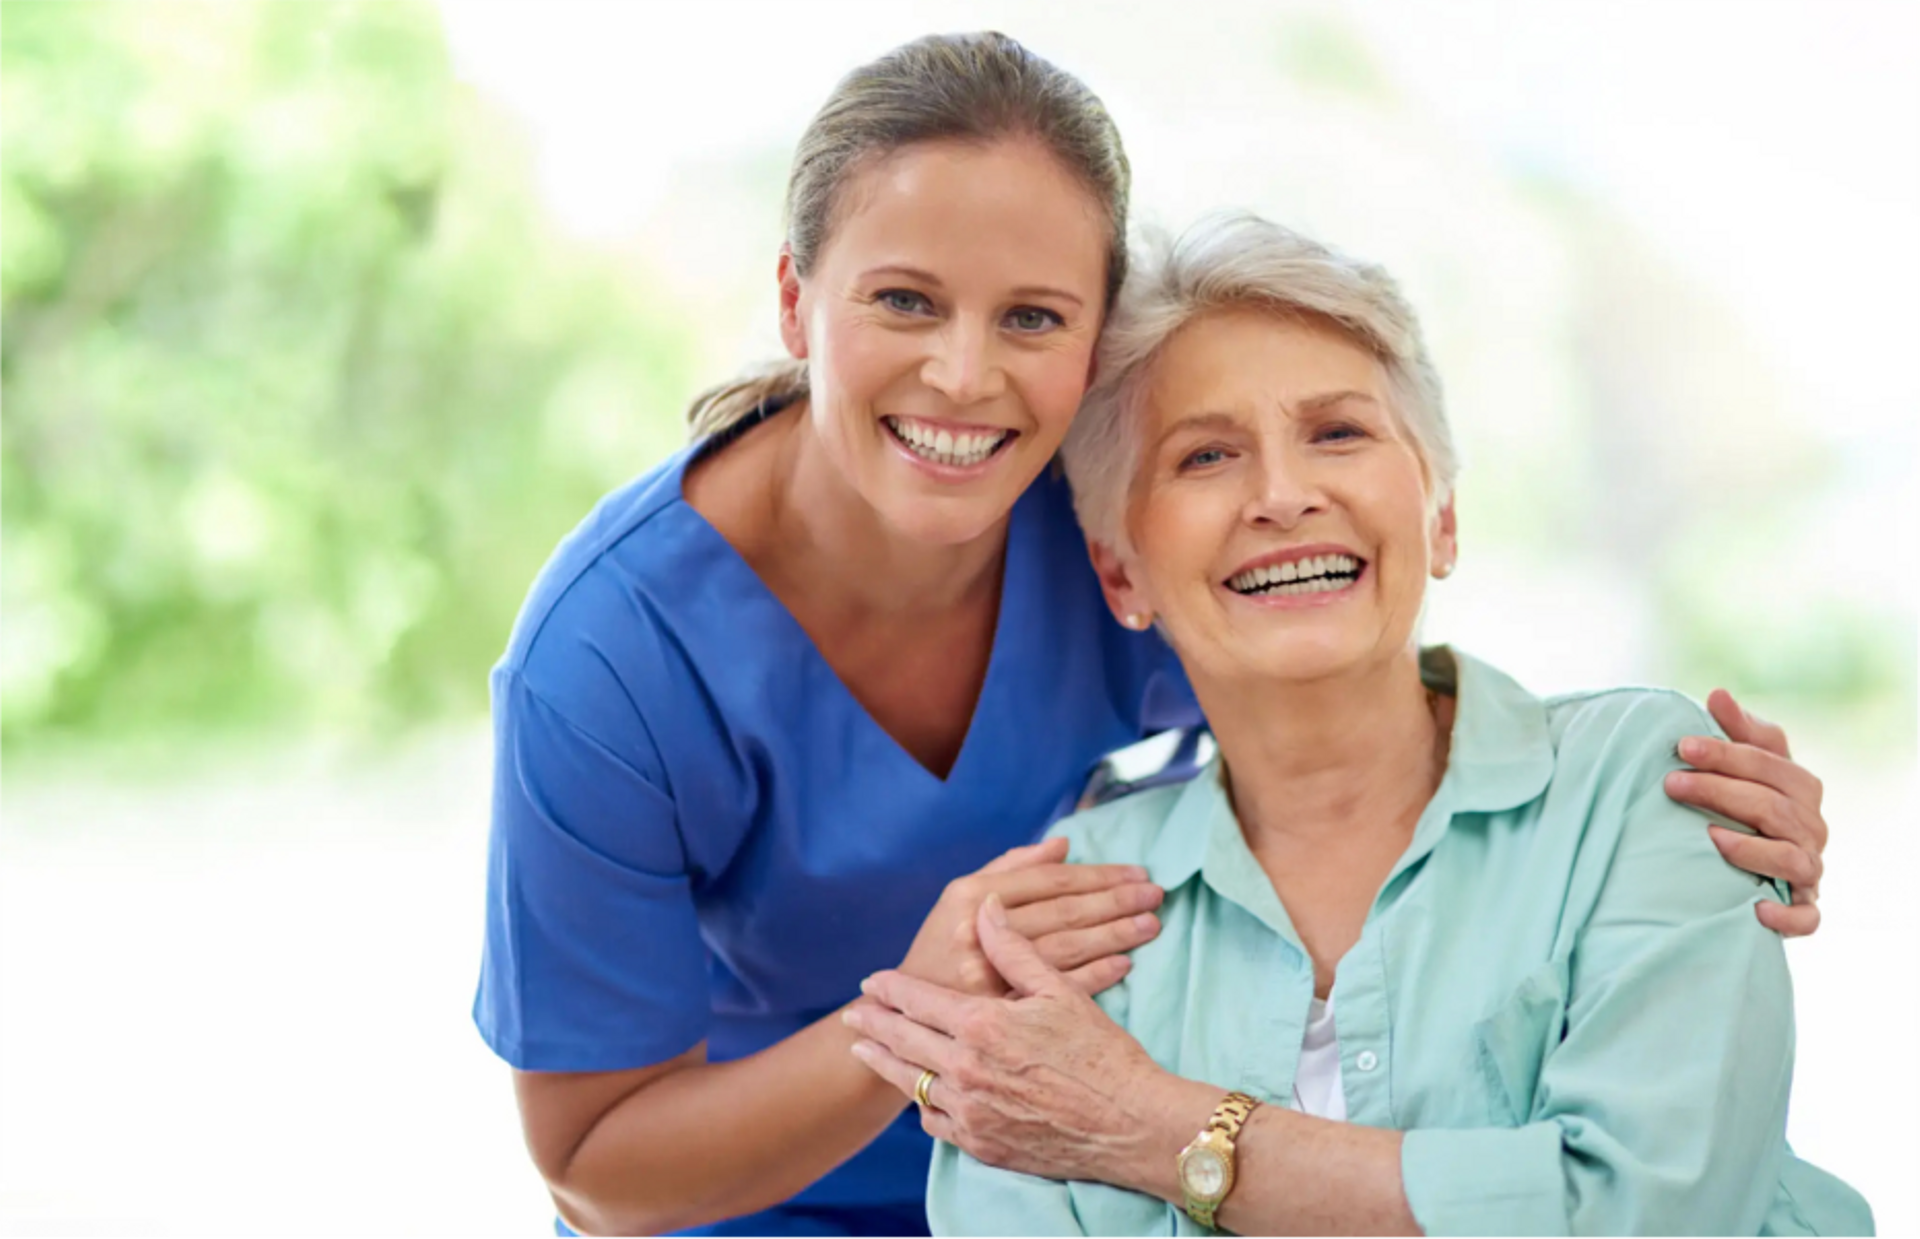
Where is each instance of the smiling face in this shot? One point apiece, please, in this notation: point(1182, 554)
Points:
point(949, 325)
point(1279, 513)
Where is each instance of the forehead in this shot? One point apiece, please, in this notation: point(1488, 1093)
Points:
point(1004, 211)
point(1249, 360)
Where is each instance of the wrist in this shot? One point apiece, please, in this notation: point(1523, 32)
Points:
point(1170, 1112)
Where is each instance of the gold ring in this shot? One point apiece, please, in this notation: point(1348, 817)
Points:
point(920, 1090)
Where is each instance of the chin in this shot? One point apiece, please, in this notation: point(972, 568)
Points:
point(947, 520)
point(1305, 657)
point(943, 516)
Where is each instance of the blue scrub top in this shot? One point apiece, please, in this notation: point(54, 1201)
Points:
point(699, 834)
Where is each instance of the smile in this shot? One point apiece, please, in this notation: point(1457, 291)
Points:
point(941, 445)
point(1317, 574)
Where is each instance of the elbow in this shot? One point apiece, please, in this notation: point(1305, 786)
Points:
point(588, 1213)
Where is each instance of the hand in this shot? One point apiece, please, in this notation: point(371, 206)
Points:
point(1081, 918)
point(1042, 1082)
point(1754, 781)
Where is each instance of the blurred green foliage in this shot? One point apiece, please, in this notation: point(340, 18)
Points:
point(300, 387)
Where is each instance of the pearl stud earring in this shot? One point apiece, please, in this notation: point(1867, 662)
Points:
point(1138, 620)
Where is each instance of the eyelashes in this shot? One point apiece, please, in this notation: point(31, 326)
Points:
point(1336, 434)
point(1026, 320)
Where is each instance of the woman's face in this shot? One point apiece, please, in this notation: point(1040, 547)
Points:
point(1279, 512)
point(949, 325)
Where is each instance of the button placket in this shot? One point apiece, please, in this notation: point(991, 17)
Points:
point(1362, 1028)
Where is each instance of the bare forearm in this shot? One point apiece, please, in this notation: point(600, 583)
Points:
point(719, 1140)
point(1294, 1174)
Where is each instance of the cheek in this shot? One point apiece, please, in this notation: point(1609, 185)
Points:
point(1178, 540)
point(1054, 386)
point(852, 362)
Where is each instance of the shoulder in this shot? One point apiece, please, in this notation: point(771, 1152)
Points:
point(1623, 732)
point(583, 568)
point(592, 640)
point(1613, 751)
point(1120, 832)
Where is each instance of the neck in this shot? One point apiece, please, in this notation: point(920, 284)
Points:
point(1324, 760)
point(833, 545)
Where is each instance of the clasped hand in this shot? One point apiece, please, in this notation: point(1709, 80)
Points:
point(1040, 1081)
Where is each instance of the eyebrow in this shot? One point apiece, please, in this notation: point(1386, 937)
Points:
point(930, 279)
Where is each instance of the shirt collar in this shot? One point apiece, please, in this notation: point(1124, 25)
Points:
point(1501, 757)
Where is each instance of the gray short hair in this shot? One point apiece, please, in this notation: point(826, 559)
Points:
point(1232, 260)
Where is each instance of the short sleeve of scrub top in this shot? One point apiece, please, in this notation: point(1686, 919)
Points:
point(698, 833)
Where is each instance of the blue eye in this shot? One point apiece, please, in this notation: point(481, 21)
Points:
point(903, 300)
point(1204, 457)
point(1031, 319)
point(1340, 432)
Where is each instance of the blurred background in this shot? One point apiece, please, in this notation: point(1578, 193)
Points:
point(323, 323)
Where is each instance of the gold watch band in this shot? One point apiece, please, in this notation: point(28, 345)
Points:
point(1218, 1137)
point(1232, 1114)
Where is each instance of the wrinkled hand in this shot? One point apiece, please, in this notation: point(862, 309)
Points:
point(1754, 781)
point(1041, 1082)
point(1081, 918)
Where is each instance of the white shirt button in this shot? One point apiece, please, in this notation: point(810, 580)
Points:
point(1366, 1060)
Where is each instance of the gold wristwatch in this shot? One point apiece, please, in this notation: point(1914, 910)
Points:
point(1206, 1166)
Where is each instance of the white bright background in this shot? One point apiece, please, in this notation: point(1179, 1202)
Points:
point(239, 1006)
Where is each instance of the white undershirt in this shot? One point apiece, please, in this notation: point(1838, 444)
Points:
point(1316, 1084)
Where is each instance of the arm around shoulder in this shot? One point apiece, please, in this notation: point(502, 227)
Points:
point(1660, 1106)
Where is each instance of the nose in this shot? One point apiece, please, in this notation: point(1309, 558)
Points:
point(1285, 490)
point(962, 365)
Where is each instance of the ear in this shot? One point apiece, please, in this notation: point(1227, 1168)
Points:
point(1444, 551)
point(1124, 596)
point(793, 332)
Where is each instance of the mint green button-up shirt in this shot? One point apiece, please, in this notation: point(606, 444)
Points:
point(1561, 994)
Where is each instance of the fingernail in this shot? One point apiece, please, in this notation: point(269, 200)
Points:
point(862, 1051)
point(1136, 873)
point(996, 912)
point(850, 1018)
point(1680, 781)
point(866, 986)
point(1693, 748)
point(1145, 923)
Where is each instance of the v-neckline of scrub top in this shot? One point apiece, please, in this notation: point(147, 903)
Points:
point(1008, 582)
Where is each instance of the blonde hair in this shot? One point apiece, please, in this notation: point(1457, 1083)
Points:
point(1228, 260)
point(976, 88)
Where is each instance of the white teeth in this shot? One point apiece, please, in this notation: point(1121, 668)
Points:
point(943, 446)
point(1317, 574)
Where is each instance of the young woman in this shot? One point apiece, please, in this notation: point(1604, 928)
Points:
point(786, 709)
point(1438, 956)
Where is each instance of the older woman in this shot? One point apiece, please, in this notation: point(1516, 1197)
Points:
point(1435, 954)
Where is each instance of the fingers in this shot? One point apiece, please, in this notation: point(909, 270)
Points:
point(899, 1036)
point(1017, 887)
point(1745, 728)
point(1013, 957)
point(1101, 974)
point(1073, 948)
point(1050, 916)
point(1796, 921)
point(924, 1003)
point(890, 1067)
point(1763, 809)
point(1755, 765)
point(1768, 857)
point(1044, 852)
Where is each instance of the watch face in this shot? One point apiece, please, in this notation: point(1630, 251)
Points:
point(1203, 1173)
